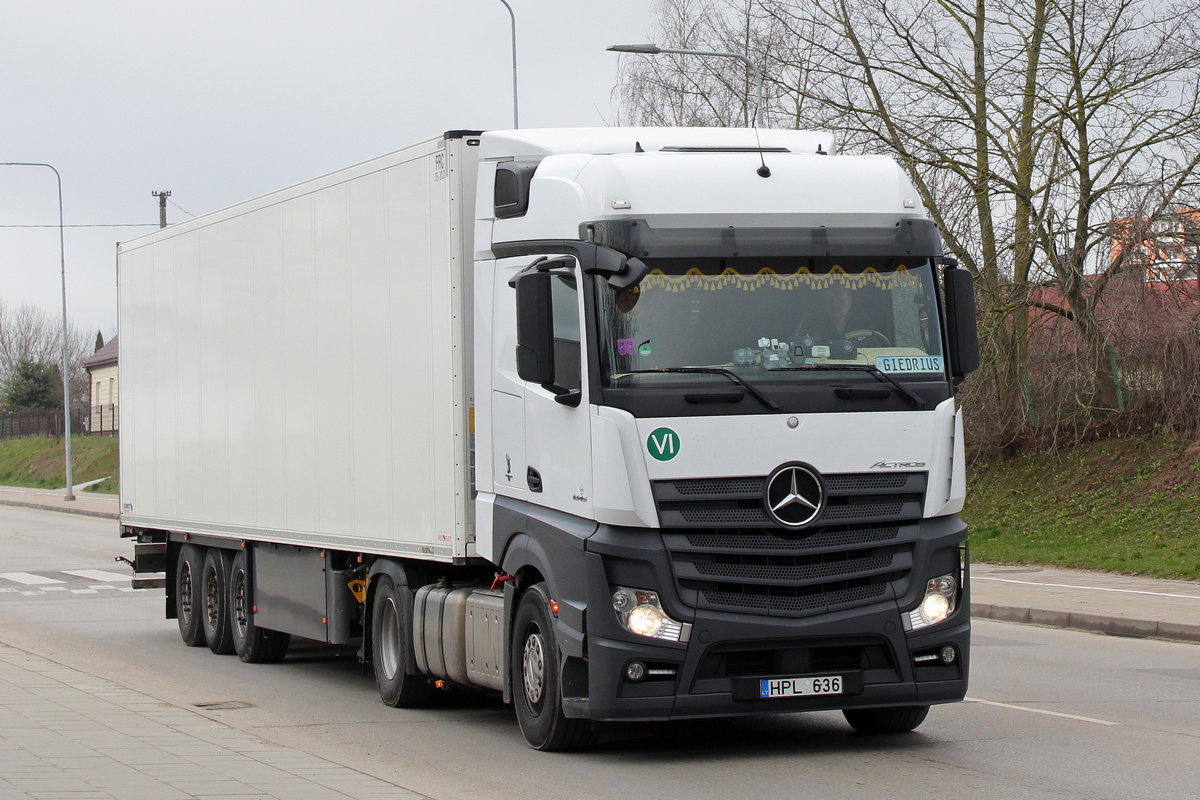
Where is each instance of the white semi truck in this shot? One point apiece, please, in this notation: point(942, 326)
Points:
point(622, 424)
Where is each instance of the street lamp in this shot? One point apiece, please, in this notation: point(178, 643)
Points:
point(653, 50)
point(62, 253)
point(514, 49)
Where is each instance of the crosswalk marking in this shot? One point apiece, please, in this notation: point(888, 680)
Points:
point(28, 579)
point(96, 575)
point(33, 585)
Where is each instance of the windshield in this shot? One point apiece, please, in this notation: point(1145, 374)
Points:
point(771, 320)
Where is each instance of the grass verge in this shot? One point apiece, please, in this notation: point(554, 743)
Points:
point(1119, 505)
point(37, 461)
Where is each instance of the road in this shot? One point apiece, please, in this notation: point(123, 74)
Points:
point(1054, 714)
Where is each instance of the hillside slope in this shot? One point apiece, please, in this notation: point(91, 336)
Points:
point(1121, 505)
point(38, 462)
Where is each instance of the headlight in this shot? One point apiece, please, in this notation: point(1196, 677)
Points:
point(640, 612)
point(941, 596)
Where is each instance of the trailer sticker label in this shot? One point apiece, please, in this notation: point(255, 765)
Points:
point(909, 363)
point(626, 347)
point(663, 444)
point(439, 166)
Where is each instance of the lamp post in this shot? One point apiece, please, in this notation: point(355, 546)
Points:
point(514, 49)
point(62, 253)
point(653, 50)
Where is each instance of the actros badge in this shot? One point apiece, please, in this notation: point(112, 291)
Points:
point(795, 495)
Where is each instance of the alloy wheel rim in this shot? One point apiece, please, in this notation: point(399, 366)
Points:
point(211, 600)
point(185, 591)
point(533, 667)
point(389, 639)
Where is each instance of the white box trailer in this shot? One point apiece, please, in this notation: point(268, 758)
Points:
point(621, 423)
point(298, 367)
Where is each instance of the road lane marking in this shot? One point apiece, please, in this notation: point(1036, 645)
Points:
point(84, 591)
point(96, 575)
point(1091, 588)
point(28, 579)
point(1092, 720)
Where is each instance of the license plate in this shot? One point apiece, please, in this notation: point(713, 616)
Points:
point(800, 687)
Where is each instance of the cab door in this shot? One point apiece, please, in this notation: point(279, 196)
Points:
point(558, 433)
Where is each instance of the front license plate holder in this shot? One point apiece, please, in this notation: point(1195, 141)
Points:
point(753, 688)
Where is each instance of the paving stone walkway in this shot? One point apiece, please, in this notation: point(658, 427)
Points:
point(67, 735)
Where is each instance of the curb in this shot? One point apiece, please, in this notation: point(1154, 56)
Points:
point(85, 512)
point(1092, 623)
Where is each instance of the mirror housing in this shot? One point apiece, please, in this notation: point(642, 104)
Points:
point(962, 328)
point(535, 327)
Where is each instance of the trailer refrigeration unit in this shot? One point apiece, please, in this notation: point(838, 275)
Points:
point(622, 424)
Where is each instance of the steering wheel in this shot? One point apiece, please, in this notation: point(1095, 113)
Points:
point(858, 336)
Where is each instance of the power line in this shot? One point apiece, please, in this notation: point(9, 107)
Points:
point(181, 208)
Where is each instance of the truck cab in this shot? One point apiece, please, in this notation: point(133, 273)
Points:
point(718, 371)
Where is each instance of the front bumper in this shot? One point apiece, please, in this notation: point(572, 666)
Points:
point(717, 672)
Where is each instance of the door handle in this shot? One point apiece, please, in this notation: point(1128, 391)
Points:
point(534, 479)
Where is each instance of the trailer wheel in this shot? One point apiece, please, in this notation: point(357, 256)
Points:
point(215, 601)
point(537, 693)
point(391, 638)
point(188, 602)
point(253, 644)
point(885, 720)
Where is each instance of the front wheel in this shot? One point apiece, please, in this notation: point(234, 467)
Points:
point(886, 720)
point(537, 692)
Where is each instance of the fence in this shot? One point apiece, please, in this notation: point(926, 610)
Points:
point(104, 419)
point(17, 424)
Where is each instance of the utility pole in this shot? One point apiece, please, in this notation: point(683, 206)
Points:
point(162, 207)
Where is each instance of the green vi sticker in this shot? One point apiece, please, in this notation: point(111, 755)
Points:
point(663, 444)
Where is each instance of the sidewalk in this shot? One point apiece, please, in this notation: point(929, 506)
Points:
point(67, 734)
point(1088, 601)
point(90, 504)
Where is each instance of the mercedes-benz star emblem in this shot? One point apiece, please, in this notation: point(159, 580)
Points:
point(794, 495)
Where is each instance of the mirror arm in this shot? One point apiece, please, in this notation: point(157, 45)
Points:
point(566, 397)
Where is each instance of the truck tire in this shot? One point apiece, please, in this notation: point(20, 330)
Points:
point(886, 720)
point(391, 639)
point(188, 599)
point(537, 693)
point(253, 644)
point(215, 602)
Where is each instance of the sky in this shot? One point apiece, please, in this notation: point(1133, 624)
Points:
point(218, 102)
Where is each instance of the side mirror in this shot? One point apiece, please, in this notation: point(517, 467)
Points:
point(962, 328)
point(535, 327)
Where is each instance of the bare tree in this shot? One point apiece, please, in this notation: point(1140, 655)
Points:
point(27, 333)
point(1034, 131)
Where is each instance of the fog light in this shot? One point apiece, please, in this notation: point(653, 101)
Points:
point(941, 597)
point(948, 654)
point(635, 671)
point(640, 612)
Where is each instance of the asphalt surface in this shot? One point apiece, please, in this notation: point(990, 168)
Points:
point(100, 699)
point(1088, 601)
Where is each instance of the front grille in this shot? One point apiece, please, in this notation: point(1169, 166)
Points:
point(738, 502)
point(728, 554)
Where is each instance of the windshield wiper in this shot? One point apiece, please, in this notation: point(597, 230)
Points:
point(728, 373)
point(912, 396)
